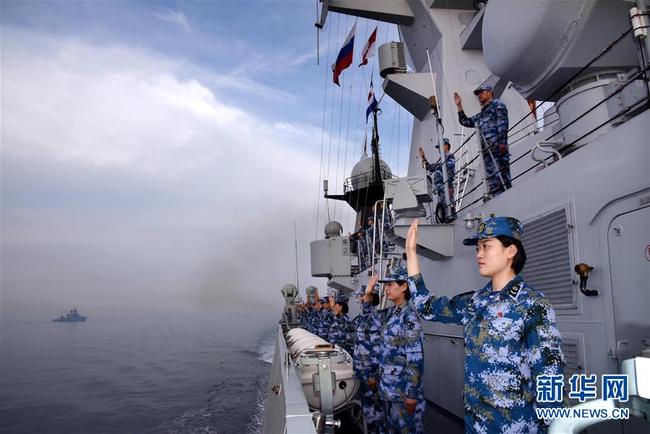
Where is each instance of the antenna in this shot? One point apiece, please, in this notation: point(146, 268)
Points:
point(318, 27)
point(295, 238)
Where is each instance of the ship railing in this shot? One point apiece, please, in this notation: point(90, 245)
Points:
point(519, 132)
point(364, 253)
point(365, 179)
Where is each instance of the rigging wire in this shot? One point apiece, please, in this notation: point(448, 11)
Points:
point(392, 129)
point(329, 151)
point(584, 68)
point(548, 114)
point(338, 148)
point(564, 148)
point(338, 143)
point(399, 131)
point(358, 70)
point(322, 134)
point(560, 88)
point(347, 136)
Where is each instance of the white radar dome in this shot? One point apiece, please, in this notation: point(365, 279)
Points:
point(333, 229)
point(363, 173)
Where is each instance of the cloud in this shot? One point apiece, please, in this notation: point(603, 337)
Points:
point(127, 180)
point(277, 63)
point(174, 17)
point(116, 106)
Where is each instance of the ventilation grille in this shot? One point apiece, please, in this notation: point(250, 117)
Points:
point(573, 355)
point(392, 58)
point(548, 263)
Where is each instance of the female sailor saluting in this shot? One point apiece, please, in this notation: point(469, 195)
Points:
point(400, 357)
point(509, 329)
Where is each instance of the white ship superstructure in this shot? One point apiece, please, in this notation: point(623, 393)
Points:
point(580, 179)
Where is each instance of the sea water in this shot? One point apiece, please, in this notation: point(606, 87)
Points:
point(134, 371)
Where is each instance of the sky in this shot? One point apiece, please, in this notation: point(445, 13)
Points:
point(161, 153)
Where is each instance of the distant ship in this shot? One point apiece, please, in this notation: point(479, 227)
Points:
point(72, 316)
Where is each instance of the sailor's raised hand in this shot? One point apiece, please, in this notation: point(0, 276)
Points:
point(372, 282)
point(421, 152)
point(410, 404)
point(458, 100)
point(412, 237)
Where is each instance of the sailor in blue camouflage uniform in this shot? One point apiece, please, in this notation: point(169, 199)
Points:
point(341, 332)
point(386, 245)
point(435, 170)
point(367, 326)
point(313, 320)
point(492, 121)
point(324, 319)
point(362, 248)
point(401, 361)
point(370, 238)
point(510, 331)
point(308, 311)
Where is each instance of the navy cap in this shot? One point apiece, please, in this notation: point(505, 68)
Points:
point(445, 141)
point(324, 300)
point(341, 299)
point(482, 88)
point(493, 226)
point(398, 273)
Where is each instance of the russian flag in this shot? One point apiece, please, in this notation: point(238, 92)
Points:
point(369, 48)
point(372, 102)
point(344, 58)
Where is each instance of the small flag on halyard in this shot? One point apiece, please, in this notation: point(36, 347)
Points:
point(365, 145)
point(372, 102)
point(369, 48)
point(344, 59)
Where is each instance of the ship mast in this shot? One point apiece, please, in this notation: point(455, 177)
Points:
point(363, 189)
point(374, 145)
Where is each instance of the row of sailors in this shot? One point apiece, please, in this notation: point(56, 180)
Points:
point(328, 318)
point(386, 346)
point(510, 334)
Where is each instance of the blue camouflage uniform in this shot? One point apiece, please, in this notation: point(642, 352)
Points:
point(323, 321)
point(387, 245)
point(401, 365)
point(307, 315)
point(435, 170)
point(307, 320)
point(370, 231)
point(492, 121)
point(511, 337)
point(363, 251)
point(367, 327)
point(340, 332)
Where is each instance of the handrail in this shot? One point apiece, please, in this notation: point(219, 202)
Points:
point(366, 179)
point(443, 335)
point(548, 147)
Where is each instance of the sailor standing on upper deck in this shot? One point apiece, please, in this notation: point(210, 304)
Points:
point(435, 170)
point(510, 332)
point(492, 121)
